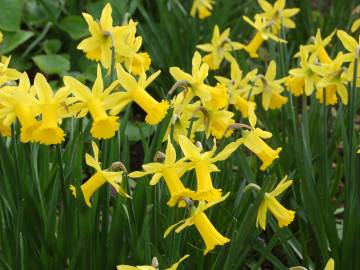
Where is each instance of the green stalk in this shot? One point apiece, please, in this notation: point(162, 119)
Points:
point(62, 175)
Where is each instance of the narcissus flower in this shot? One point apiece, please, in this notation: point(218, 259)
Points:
point(278, 14)
point(98, 45)
point(283, 215)
point(99, 178)
point(95, 101)
point(51, 105)
point(204, 165)
point(270, 88)
point(171, 170)
point(202, 8)
point(334, 78)
point(208, 232)
point(196, 79)
point(252, 139)
point(330, 265)
point(7, 74)
point(263, 28)
point(136, 91)
point(304, 77)
point(219, 48)
point(146, 267)
point(355, 26)
point(20, 102)
point(1, 37)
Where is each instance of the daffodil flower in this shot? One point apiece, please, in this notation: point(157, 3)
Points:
point(278, 14)
point(7, 74)
point(334, 78)
point(204, 165)
point(171, 170)
point(219, 48)
point(1, 37)
point(355, 26)
point(146, 267)
point(239, 91)
point(51, 105)
point(136, 91)
point(208, 232)
point(330, 265)
point(99, 178)
point(263, 28)
point(98, 46)
point(252, 139)
point(202, 8)
point(20, 102)
point(95, 101)
point(283, 215)
point(270, 89)
point(305, 77)
point(196, 79)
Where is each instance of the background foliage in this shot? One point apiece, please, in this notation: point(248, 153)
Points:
point(42, 229)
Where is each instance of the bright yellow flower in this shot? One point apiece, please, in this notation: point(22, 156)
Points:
point(278, 14)
point(146, 267)
point(283, 215)
point(171, 170)
point(239, 91)
point(99, 178)
point(253, 141)
point(136, 91)
point(202, 8)
point(270, 88)
point(355, 26)
point(7, 74)
point(98, 46)
point(330, 265)
point(196, 79)
point(219, 48)
point(305, 77)
point(263, 28)
point(208, 232)
point(51, 105)
point(334, 78)
point(318, 47)
point(95, 101)
point(203, 164)
point(1, 37)
point(20, 102)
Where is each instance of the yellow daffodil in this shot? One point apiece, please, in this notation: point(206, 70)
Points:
point(202, 8)
point(95, 102)
point(7, 74)
point(99, 178)
point(355, 26)
point(50, 104)
point(208, 232)
point(334, 78)
point(252, 139)
point(146, 267)
point(278, 14)
point(318, 47)
point(196, 79)
point(283, 215)
point(270, 89)
point(1, 37)
point(20, 102)
point(263, 33)
point(136, 91)
point(204, 165)
point(330, 265)
point(305, 77)
point(98, 46)
point(171, 170)
point(219, 48)
point(239, 91)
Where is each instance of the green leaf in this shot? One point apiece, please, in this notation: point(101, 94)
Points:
point(13, 40)
point(75, 26)
point(10, 14)
point(52, 46)
point(136, 131)
point(52, 64)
